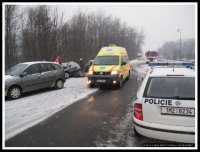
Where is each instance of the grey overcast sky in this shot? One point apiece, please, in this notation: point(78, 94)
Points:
point(159, 21)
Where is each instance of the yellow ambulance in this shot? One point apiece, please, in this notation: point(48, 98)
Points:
point(110, 67)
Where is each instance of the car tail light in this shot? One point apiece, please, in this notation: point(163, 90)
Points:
point(138, 111)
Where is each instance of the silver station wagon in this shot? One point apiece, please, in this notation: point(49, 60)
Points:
point(30, 76)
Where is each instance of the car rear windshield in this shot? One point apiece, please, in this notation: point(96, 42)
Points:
point(106, 60)
point(16, 70)
point(173, 88)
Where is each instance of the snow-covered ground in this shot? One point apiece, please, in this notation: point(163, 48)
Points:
point(27, 111)
point(135, 63)
point(139, 66)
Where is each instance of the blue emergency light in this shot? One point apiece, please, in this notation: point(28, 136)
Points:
point(188, 63)
point(185, 63)
point(157, 63)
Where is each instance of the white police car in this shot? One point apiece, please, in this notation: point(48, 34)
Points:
point(164, 107)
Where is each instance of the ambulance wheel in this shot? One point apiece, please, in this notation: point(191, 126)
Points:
point(92, 85)
point(128, 77)
point(120, 82)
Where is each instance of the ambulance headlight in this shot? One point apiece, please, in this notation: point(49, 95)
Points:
point(114, 72)
point(90, 72)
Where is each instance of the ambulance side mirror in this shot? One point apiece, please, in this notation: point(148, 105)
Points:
point(123, 63)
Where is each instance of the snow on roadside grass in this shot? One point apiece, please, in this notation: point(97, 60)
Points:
point(27, 111)
point(140, 66)
point(142, 69)
point(134, 63)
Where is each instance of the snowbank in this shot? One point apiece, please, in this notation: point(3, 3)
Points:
point(27, 111)
point(135, 63)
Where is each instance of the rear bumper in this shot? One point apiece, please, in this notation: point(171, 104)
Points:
point(108, 79)
point(165, 132)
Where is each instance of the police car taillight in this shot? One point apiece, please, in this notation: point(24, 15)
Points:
point(138, 111)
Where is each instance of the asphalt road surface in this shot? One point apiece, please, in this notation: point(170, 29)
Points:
point(103, 119)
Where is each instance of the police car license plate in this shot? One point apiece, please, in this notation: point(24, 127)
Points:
point(101, 81)
point(181, 111)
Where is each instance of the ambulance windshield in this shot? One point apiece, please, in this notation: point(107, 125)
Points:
point(106, 60)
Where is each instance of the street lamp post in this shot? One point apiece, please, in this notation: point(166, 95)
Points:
point(179, 30)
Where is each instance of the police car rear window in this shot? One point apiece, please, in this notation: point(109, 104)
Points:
point(172, 88)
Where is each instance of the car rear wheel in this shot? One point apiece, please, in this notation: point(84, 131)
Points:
point(66, 75)
point(14, 92)
point(59, 84)
point(80, 73)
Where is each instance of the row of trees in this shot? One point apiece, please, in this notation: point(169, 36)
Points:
point(10, 35)
point(40, 32)
point(172, 50)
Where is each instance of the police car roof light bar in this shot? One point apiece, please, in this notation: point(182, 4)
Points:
point(185, 63)
point(188, 63)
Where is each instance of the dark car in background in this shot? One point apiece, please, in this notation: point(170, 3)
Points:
point(30, 76)
point(72, 69)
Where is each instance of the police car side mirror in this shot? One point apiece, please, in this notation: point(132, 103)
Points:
point(139, 78)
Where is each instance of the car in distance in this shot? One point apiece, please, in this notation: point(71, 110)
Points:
point(72, 69)
point(164, 107)
point(30, 76)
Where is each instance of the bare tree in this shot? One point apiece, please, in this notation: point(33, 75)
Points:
point(10, 35)
point(41, 39)
point(44, 35)
point(170, 50)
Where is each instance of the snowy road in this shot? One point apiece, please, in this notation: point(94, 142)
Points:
point(29, 110)
point(101, 119)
